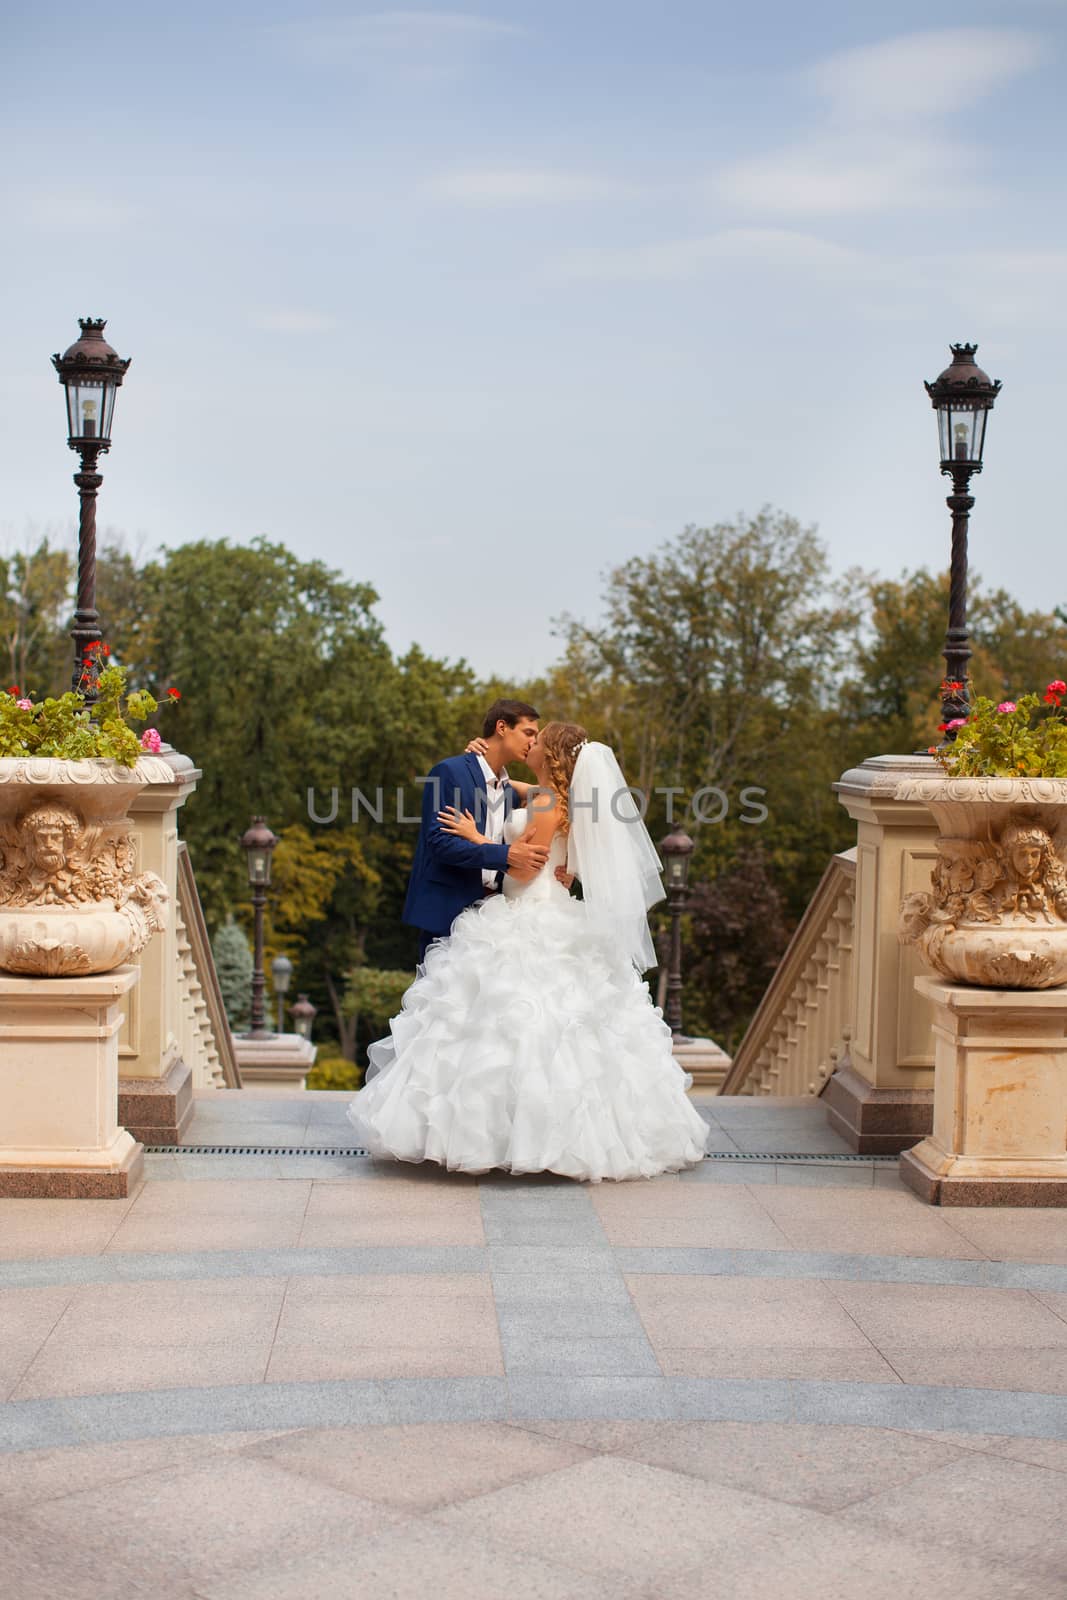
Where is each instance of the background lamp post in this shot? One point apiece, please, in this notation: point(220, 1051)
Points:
point(91, 373)
point(281, 970)
point(676, 850)
point(303, 1014)
point(258, 842)
point(963, 397)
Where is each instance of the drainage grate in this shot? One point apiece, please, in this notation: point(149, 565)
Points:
point(355, 1150)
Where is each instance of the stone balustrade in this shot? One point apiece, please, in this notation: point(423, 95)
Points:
point(797, 1035)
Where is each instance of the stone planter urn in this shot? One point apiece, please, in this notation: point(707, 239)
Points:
point(71, 902)
point(996, 912)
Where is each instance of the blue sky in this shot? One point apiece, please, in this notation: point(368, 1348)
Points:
point(475, 303)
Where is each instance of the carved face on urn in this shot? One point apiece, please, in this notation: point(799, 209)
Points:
point(49, 830)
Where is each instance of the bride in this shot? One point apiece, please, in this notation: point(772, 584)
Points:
point(529, 1040)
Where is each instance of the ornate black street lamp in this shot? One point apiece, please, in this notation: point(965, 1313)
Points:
point(676, 849)
point(91, 373)
point(258, 842)
point(281, 970)
point(303, 1014)
point(963, 397)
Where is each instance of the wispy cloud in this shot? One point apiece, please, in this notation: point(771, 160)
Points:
point(505, 186)
point(878, 142)
point(391, 41)
point(293, 320)
point(680, 259)
point(923, 75)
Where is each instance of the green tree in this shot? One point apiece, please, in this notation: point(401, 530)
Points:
point(234, 965)
point(35, 611)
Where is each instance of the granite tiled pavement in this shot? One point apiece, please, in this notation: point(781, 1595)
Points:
point(316, 1374)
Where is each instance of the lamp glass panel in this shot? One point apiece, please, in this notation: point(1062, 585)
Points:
point(259, 866)
point(90, 404)
point(676, 867)
point(963, 432)
point(944, 430)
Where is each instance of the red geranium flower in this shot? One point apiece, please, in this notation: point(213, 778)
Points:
point(175, 694)
point(14, 689)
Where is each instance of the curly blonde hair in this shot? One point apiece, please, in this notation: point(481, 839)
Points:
point(561, 742)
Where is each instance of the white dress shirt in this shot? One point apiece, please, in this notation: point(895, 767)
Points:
point(493, 826)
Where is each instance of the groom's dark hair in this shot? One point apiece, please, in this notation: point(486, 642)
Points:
point(508, 711)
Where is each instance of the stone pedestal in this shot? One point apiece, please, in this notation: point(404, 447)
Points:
point(1000, 1098)
point(707, 1063)
point(59, 1054)
point(155, 1084)
point(281, 1062)
point(880, 1098)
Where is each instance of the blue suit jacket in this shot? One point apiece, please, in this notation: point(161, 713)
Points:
point(446, 875)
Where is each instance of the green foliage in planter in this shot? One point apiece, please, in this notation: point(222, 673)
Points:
point(70, 728)
point(1009, 739)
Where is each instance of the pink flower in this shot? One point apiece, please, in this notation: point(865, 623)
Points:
point(1006, 705)
point(151, 741)
point(24, 705)
point(960, 722)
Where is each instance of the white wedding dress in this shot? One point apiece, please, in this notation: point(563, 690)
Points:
point(529, 1042)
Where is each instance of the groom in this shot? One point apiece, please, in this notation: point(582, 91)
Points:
point(449, 874)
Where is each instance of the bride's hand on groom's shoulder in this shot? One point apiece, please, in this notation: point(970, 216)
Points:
point(477, 747)
point(462, 824)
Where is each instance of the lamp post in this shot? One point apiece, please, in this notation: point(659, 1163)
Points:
point(281, 970)
point(303, 1014)
point(676, 850)
point(258, 842)
point(91, 373)
point(963, 397)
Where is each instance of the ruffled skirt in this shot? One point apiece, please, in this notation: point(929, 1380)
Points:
point(525, 1044)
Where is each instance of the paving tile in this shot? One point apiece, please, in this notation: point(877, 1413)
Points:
point(821, 1467)
point(561, 1288)
point(35, 1228)
point(382, 1225)
point(219, 1130)
point(545, 1353)
point(802, 1138)
point(662, 1399)
point(228, 1197)
point(37, 1568)
point(401, 1197)
point(730, 1172)
point(421, 1466)
point(560, 1229)
point(27, 1317)
point(569, 1319)
point(635, 1521)
point(31, 1477)
point(830, 1561)
point(707, 1229)
point(762, 1361)
point(938, 1317)
point(979, 1505)
point(1013, 1233)
point(241, 1107)
point(825, 1175)
point(416, 1560)
point(716, 1314)
point(1042, 1371)
point(550, 1259)
point(677, 1199)
point(865, 1222)
point(340, 1328)
point(229, 1515)
point(119, 1337)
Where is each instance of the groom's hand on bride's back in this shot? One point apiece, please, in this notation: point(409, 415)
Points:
point(524, 857)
